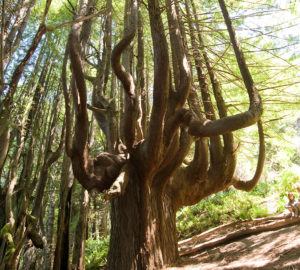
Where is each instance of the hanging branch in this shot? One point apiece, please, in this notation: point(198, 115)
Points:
point(204, 180)
point(248, 185)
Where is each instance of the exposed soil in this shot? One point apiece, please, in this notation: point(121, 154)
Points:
point(278, 249)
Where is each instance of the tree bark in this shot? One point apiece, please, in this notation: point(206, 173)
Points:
point(143, 232)
point(48, 252)
point(80, 234)
point(62, 249)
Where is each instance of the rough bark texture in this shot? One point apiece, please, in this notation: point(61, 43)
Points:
point(143, 233)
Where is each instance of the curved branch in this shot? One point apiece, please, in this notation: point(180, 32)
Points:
point(238, 121)
point(120, 71)
point(100, 172)
point(80, 160)
point(224, 125)
point(96, 110)
point(77, 20)
point(81, 132)
point(228, 138)
point(216, 148)
point(199, 165)
point(249, 185)
point(127, 81)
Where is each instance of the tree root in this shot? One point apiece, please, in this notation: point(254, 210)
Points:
point(232, 231)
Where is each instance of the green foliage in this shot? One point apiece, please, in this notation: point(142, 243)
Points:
point(221, 208)
point(268, 198)
point(95, 252)
point(289, 181)
point(5, 229)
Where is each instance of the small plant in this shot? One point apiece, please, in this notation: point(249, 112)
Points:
point(258, 211)
point(95, 252)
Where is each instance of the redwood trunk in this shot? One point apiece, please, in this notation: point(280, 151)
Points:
point(143, 232)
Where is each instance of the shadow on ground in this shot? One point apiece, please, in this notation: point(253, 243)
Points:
point(278, 249)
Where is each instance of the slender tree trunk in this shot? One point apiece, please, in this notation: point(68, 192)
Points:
point(104, 211)
point(16, 32)
point(62, 250)
point(80, 234)
point(49, 229)
point(2, 83)
point(6, 105)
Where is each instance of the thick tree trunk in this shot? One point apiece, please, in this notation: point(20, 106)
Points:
point(143, 233)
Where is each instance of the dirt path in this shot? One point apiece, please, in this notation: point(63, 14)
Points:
point(278, 249)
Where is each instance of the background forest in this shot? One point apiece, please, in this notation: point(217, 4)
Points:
point(38, 190)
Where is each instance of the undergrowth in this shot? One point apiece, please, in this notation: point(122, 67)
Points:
point(221, 208)
point(234, 205)
point(96, 252)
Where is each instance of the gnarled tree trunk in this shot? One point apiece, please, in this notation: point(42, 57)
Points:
point(147, 185)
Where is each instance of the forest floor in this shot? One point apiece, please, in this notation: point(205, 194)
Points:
point(277, 249)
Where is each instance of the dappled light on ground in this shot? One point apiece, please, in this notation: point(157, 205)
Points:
point(278, 249)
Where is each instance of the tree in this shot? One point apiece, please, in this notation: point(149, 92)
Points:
point(147, 185)
point(154, 108)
